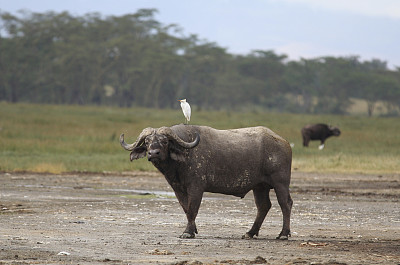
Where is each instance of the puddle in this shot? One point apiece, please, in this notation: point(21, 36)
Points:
point(143, 192)
point(159, 193)
point(155, 193)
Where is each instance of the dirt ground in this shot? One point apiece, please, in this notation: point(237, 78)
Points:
point(133, 218)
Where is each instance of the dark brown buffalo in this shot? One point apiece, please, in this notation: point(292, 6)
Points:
point(198, 159)
point(318, 132)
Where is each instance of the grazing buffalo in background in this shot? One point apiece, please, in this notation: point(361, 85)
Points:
point(318, 132)
point(198, 159)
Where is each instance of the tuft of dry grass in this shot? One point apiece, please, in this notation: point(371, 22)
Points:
point(55, 168)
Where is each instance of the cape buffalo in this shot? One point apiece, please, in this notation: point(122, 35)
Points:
point(318, 132)
point(198, 159)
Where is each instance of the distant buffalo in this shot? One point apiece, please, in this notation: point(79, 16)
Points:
point(318, 132)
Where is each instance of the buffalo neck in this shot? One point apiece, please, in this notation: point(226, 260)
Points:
point(168, 168)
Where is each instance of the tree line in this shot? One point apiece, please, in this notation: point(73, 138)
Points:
point(134, 60)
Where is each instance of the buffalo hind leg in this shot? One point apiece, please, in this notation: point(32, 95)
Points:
point(263, 203)
point(285, 202)
point(193, 205)
point(322, 145)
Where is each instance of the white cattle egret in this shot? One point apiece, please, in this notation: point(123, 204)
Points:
point(186, 109)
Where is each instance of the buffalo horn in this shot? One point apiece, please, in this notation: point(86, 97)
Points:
point(170, 134)
point(146, 132)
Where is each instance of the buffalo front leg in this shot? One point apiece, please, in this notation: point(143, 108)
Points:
point(285, 202)
point(193, 201)
point(182, 198)
point(306, 139)
point(263, 203)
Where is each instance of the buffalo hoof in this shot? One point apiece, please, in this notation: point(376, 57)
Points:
point(282, 237)
point(247, 236)
point(187, 235)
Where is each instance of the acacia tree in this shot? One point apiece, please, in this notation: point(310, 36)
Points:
point(20, 57)
point(391, 85)
point(204, 64)
point(333, 91)
point(302, 79)
point(264, 71)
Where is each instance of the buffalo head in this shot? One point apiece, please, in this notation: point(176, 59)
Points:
point(159, 144)
point(335, 130)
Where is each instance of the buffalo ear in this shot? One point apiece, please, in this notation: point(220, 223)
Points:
point(177, 156)
point(138, 152)
point(175, 153)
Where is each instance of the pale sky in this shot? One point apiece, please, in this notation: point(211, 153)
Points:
point(297, 28)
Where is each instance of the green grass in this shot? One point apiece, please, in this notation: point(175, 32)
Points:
point(53, 138)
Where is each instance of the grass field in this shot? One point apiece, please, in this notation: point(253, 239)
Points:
point(53, 138)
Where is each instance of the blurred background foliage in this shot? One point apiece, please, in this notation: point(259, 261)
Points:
point(134, 60)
